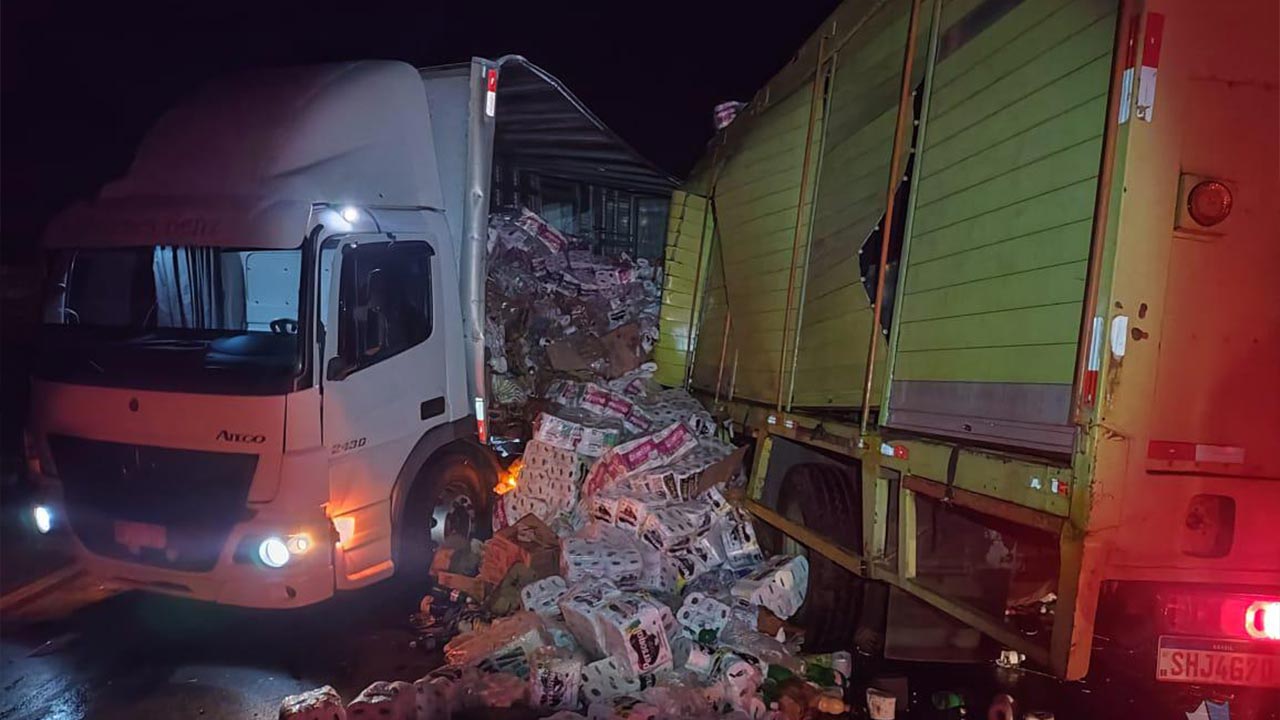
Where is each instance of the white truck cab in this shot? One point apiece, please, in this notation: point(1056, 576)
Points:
point(261, 376)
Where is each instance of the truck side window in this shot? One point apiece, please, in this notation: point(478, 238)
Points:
point(384, 301)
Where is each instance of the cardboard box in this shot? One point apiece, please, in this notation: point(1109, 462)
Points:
point(473, 586)
point(528, 541)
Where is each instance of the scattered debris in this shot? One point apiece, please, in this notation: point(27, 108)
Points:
point(1010, 659)
point(1209, 710)
point(383, 700)
point(54, 645)
point(882, 705)
point(554, 306)
point(1001, 708)
point(323, 703)
point(619, 584)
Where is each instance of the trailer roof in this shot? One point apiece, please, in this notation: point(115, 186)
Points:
point(241, 163)
point(542, 126)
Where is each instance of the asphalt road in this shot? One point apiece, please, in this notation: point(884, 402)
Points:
point(135, 655)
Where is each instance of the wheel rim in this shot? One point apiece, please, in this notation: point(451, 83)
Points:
point(453, 517)
point(791, 546)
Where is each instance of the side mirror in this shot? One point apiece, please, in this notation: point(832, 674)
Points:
point(337, 369)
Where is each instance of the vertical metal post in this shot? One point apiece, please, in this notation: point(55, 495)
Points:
point(895, 157)
point(815, 102)
point(475, 228)
point(724, 350)
point(1079, 574)
point(935, 31)
point(698, 294)
point(829, 84)
point(1102, 211)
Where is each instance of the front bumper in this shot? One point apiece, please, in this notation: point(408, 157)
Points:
point(308, 578)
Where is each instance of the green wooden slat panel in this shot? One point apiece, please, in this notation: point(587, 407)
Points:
point(1027, 364)
point(1062, 206)
point(1088, 83)
point(1078, 51)
point(687, 222)
point(1016, 154)
point(711, 318)
point(1007, 189)
point(1003, 205)
point(1045, 325)
point(1028, 252)
point(1054, 284)
point(757, 196)
point(1019, 38)
point(849, 201)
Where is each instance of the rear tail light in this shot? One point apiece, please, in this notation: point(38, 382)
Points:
point(1262, 620)
point(1227, 615)
point(1209, 203)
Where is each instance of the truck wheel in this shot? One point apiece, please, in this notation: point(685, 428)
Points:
point(823, 498)
point(447, 507)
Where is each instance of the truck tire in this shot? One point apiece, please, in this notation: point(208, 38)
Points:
point(823, 498)
point(447, 507)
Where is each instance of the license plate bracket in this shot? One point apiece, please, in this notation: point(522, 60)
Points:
point(138, 535)
point(1211, 661)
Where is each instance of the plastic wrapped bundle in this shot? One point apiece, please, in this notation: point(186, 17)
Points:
point(580, 607)
point(384, 701)
point(501, 647)
point(542, 597)
point(779, 585)
point(702, 617)
point(623, 707)
point(631, 627)
point(322, 703)
point(554, 678)
point(667, 525)
point(581, 558)
point(738, 536)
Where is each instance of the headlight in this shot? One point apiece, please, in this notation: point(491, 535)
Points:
point(43, 517)
point(273, 552)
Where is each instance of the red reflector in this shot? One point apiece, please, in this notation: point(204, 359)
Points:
point(1167, 450)
point(900, 452)
point(1262, 620)
point(1209, 203)
point(492, 81)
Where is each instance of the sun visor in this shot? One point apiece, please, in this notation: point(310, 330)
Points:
point(214, 222)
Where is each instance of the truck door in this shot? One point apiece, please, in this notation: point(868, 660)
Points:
point(384, 382)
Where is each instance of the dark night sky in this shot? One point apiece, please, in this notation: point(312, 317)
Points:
point(83, 81)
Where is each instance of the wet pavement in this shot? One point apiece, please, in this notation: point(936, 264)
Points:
point(135, 655)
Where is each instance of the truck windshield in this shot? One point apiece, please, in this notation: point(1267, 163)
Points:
point(191, 319)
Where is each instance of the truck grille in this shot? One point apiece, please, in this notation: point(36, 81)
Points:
point(197, 496)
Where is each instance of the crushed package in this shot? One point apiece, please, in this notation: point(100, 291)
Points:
point(528, 541)
point(620, 582)
point(553, 305)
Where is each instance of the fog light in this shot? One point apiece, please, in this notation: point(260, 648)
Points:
point(299, 543)
point(273, 552)
point(43, 517)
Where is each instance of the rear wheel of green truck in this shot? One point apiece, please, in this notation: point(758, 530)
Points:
point(447, 508)
point(824, 499)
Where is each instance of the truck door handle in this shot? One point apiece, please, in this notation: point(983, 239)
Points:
point(431, 408)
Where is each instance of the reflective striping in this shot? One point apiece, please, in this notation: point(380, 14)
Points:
point(1174, 451)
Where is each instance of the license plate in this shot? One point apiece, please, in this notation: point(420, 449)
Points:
point(1218, 662)
point(136, 535)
